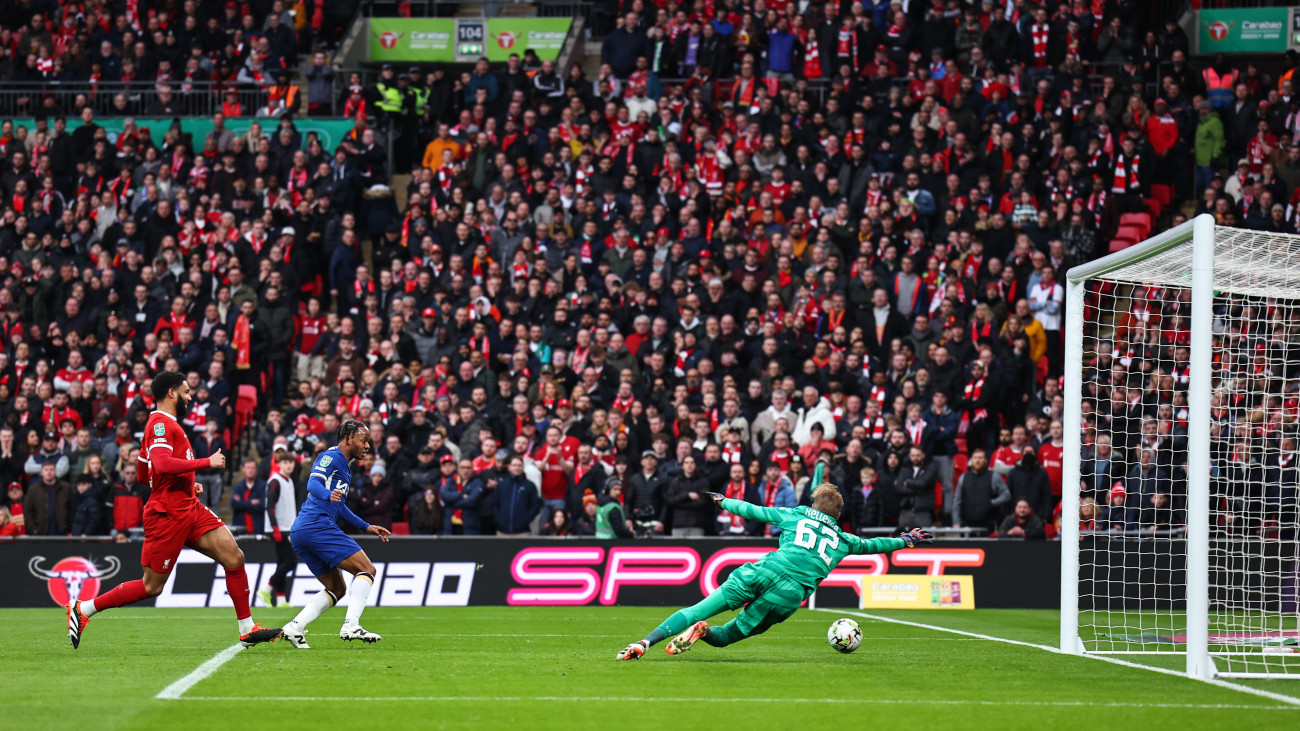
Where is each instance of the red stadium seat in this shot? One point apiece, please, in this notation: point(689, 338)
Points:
point(1141, 221)
point(1125, 237)
point(1120, 243)
point(1163, 194)
point(1154, 206)
point(401, 529)
point(1131, 232)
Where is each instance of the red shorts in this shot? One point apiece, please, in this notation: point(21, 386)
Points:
point(165, 534)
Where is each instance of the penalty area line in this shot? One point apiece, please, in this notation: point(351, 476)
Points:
point(1279, 697)
point(840, 701)
point(177, 689)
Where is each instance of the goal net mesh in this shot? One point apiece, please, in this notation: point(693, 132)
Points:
point(1134, 463)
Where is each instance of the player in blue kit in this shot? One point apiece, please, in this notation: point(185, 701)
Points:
point(325, 548)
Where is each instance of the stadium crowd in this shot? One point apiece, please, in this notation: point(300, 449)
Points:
point(161, 59)
point(758, 249)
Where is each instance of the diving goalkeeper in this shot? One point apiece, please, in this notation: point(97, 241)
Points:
point(771, 589)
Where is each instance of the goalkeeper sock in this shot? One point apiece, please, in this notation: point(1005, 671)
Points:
point(127, 592)
point(675, 624)
point(316, 607)
point(357, 596)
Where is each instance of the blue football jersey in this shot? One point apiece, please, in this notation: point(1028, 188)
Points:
point(330, 472)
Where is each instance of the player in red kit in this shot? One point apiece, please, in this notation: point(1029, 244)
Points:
point(175, 519)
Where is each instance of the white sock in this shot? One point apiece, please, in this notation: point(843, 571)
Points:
point(357, 596)
point(316, 607)
point(88, 607)
point(245, 626)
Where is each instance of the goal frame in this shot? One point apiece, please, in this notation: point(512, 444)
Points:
point(1201, 232)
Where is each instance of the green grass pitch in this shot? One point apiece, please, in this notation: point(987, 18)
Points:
point(554, 668)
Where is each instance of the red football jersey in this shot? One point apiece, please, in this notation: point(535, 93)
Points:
point(169, 493)
point(1006, 456)
point(1051, 458)
point(555, 482)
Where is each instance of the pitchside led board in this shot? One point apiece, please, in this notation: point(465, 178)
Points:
point(918, 591)
point(464, 40)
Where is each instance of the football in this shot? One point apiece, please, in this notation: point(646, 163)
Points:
point(844, 635)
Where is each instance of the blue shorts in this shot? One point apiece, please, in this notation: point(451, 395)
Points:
point(322, 548)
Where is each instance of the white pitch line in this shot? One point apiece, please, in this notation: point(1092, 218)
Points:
point(843, 701)
point(766, 640)
point(177, 689)
point(1291, 700)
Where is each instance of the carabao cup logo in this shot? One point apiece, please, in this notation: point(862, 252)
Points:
point(1218, 30)
point(505, 40)
point(73, 577)
point(388, 39)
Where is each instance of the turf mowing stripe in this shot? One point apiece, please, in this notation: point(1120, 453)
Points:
point(177, 689)
point(629, 699)
point(1292, 700)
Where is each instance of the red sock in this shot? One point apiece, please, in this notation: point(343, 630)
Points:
point(237, 587)
point(127, 592)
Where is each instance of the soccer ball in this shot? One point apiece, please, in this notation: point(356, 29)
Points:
point(844, 635)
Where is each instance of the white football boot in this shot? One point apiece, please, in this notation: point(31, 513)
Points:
point(354, 631)
point(296, 637)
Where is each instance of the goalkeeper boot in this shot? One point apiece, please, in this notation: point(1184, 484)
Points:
point(633, 651)
point(268, 599)
point(76, 622)
point(681, 643)
point(353, 631)
point(296, 637)
point(259, 634)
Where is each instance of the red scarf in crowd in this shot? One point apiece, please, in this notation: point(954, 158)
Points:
point(973, 390)
point(770, 489)
point(1039, 33)
point(457, 517)
point(735, 491)
point(846, 44)
point(1126, 174)
point(242, 343)
point(348, 404)
point(812, 63)
point(915, 430)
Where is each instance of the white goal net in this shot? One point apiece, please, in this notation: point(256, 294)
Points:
point(1182, 421)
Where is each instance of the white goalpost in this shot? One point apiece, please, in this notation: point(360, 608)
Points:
point(1182, 416)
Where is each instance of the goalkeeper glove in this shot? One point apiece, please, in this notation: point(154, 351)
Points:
point(916, 537)
point(276, 535)
point(716, 498)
